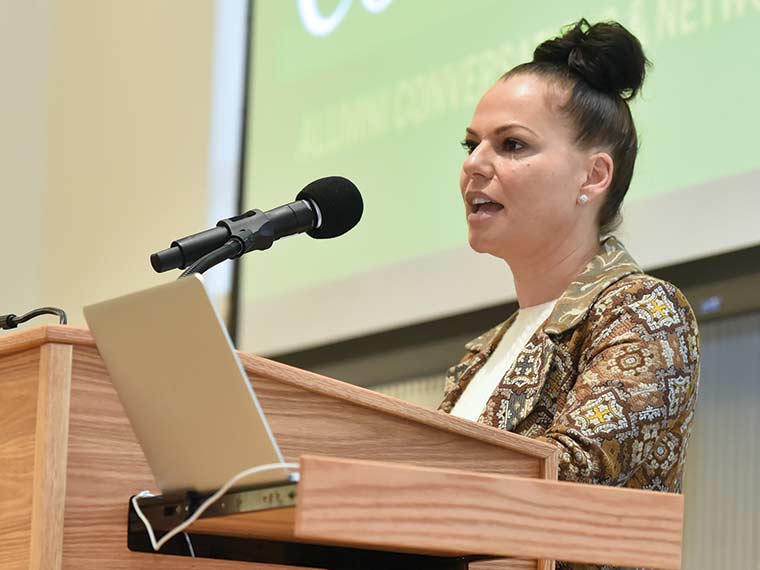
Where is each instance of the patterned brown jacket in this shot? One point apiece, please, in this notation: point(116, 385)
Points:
point(610, 378)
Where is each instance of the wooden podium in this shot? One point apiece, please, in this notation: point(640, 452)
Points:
point(377, 474)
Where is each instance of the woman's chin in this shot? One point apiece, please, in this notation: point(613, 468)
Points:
point(496, 247)
point(481, 245)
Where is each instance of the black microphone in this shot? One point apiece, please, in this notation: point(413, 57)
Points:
point(325, 208)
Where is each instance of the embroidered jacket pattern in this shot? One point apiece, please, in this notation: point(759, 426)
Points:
point(610, 379)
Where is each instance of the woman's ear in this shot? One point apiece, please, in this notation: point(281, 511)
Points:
point(598, 176)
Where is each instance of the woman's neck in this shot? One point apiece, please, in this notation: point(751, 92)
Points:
point(547, 275)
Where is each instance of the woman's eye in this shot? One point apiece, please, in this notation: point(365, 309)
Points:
point(468, 145)
point(513, 145)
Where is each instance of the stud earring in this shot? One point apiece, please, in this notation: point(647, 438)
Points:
point(582, 199)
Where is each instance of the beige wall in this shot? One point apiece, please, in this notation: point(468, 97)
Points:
point(104, 143)
point(24, 49)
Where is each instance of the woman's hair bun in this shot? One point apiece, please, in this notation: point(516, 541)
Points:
point(606, 55)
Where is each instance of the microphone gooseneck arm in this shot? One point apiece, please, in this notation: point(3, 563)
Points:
point(253, 230)
point(249, 231)
point(229, 250)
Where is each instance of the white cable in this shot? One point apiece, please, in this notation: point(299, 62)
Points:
point(205, 505)
point(189, 544)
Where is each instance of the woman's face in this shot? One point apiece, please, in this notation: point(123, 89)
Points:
point(523, 176)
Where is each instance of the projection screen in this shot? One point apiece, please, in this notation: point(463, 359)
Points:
point(380, 91)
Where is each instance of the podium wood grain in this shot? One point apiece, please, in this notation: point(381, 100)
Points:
point(104, 464)
point(18, 411)
point(382, 505)
point(77, 521)
point(444, 512)
point(312, 414)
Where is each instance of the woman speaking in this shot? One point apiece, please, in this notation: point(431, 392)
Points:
point(601, 360)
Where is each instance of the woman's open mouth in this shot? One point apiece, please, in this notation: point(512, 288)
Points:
point(482, 208)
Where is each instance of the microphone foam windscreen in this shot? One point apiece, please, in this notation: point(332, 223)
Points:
point(340, 203)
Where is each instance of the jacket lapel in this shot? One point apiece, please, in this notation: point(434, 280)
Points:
point(611, 264)
point(478, 351)
point(520, 388)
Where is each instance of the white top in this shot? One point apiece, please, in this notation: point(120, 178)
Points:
point(474, 398)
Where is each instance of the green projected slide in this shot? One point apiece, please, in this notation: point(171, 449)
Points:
point(380, 91)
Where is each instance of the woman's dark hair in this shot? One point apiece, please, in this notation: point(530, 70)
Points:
point(604, 65)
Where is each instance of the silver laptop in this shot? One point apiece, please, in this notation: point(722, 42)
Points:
point(183, 388)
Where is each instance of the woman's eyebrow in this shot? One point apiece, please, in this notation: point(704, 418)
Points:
point(508, 126)
point(502, 128)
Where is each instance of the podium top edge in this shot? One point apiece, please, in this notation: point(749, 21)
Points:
point(35, 337)
point(29, 338)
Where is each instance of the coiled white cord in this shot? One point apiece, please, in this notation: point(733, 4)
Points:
point(157, 544)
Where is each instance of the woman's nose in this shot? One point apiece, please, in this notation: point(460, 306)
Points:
point(478, 162)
